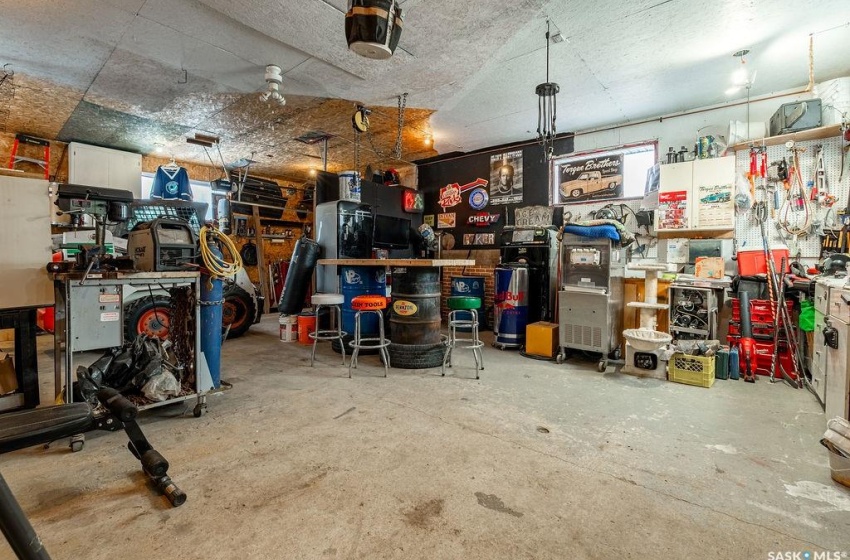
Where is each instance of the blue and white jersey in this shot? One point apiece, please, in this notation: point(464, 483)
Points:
point(171, 184)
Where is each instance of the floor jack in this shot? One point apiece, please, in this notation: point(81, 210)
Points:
point(747, 344)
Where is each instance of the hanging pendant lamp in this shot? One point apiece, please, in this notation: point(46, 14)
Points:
point(547, 105)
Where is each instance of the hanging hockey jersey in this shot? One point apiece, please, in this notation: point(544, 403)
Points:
point(171, 184)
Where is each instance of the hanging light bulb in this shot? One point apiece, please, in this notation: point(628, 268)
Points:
point(547, 107)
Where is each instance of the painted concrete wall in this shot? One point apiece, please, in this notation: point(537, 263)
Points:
point(678, 131)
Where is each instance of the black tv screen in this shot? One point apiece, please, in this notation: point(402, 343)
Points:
point(391, 233)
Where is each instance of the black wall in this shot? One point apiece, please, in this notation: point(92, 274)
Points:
point(384, 200)
point(461, 169)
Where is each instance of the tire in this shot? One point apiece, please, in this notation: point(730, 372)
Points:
point(238, 311)
point(150, 315)
point(575, 193)
point(417, 356)
point(612, 185)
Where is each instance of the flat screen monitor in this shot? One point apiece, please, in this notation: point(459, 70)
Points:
point(391, 233)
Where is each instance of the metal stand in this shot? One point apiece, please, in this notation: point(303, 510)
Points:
point(16, 527)
point(475, 343)
point(330, 334)
point(371, 343)
point(90, 316)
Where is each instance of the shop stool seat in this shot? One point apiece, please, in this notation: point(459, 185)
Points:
point(466, 305)
point(332, 302)
point(369, 304)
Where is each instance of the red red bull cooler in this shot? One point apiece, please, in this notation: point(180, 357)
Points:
point(510, 302)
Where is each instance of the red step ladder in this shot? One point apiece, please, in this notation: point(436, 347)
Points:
point(33, 141)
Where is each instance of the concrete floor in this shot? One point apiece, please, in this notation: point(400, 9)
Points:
point(535, 460)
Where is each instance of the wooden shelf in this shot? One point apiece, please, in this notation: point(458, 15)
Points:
point(802, 136)
point(696, 233)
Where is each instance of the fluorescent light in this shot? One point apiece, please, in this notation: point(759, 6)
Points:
point(739, 76)
point(733, 90)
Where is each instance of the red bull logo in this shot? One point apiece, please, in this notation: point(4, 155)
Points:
point(510, 300)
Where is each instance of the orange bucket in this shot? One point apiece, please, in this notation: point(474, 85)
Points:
point(306, 325)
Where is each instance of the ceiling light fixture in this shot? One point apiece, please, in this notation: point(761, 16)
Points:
point(274, 79)
point(428, 140)
point(547, 107)
point(373, 27)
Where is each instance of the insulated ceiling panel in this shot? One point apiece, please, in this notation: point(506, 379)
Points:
point(93, 124)
point(66, 46)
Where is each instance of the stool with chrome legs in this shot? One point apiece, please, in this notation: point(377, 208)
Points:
point(365, 305)
point(458, 307)
point(331, 302)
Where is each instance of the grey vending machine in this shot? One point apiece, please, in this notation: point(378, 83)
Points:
point(343, 231)
point(590, 301)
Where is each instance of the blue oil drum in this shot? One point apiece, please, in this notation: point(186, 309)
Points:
point(472, 286)
point(358, 281)
point(510, 306)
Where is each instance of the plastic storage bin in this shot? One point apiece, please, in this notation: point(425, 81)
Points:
point(752, 262)
point(692, 370)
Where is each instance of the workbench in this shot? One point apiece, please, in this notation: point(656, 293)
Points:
point(95, 305)
point(22, 320)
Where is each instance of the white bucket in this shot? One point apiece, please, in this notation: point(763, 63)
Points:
point(288, 328)
point(349, 186)
point(840, 468)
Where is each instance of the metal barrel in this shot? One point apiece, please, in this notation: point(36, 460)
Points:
point(472, 286)
point(415, 313)
point(358, 281)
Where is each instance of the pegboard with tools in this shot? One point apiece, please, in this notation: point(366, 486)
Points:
point(798, 215)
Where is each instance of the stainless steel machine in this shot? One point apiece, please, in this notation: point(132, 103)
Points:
point(590, 301)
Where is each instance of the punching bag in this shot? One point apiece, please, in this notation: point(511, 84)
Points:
point(298, 277)
point(211, 300)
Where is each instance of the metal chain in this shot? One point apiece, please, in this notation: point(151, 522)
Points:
point(402, 103)
point(182, 325)
point(357, 150)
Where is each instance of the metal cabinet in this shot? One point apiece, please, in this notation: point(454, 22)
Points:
point(830, 375)
point(89, 316)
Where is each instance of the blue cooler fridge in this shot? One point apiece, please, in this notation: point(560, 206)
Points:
point(472, 286)
point(358, 281)
point(510, 306)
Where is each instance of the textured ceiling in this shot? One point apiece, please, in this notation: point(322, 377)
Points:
point(140, 73)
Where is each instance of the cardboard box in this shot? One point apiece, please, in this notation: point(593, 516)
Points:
point(541, 339)
point(709, 267)
point(8, 378)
